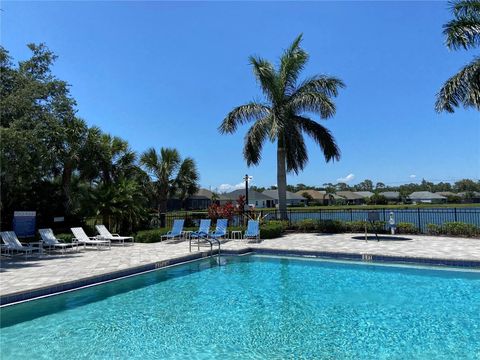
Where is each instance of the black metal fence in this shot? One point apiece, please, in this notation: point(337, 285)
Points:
point(419, 217)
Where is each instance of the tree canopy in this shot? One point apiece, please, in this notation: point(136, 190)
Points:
point(54, 163)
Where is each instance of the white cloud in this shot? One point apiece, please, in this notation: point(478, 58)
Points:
point(229, 187)
point(346, 179)
point(413, 176)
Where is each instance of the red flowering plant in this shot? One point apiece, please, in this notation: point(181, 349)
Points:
point(225, 211)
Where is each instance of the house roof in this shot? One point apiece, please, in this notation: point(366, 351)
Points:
point(447, 193)
point(364, 194)
point(252, 195)
point(474, 194)
point(202, 194)
point(349, 195)
point(290, 196)
point(390, 194)
point(315, 194)
point(425, 195)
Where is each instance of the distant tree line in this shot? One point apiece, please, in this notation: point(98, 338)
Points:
point(54, 163)
point(465, 185)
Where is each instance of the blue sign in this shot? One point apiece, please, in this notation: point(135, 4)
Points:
point(24, 223)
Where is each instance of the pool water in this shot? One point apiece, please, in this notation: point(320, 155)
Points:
point(256, 307)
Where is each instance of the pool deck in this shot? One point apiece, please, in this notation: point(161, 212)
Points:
point(22, 277)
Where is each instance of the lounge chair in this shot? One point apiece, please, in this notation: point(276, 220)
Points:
point(253, 231)
point(50, 241)
point(203, 229)
point(220, 230)
point(176, 232)
point(13, 244)
point(106, 235)
point(81, 238)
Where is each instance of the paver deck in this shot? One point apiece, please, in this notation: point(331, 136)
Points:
point(19, 275)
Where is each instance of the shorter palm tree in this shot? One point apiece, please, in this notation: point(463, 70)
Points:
point(462, 32)
point(170, 174)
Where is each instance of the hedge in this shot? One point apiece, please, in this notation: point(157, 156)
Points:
point(454, 228)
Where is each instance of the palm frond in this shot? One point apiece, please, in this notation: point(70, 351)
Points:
point(328, 85)
point(315, 102)
point(465, 7)
point(292, 63)
point(267, 77)
point(295, 150)
point(150, 160)
point(321, 135)
point(254, 140)
point(462, 33)
point(461, 89)
point(241, 115)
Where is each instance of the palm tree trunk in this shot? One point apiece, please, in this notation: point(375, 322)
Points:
point(281, 179)
point(66, 186)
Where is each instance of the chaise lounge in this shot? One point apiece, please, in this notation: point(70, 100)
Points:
point(106, 235)
point(12, 244)
point(81, 238)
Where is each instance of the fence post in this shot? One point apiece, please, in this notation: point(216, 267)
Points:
point(320, 214)
point(455, 212)
point(351, 214)
point(419, 223)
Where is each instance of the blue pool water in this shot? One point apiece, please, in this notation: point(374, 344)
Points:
point(256, 307)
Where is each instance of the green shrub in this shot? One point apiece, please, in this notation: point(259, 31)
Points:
point(459, 228)
point(355, 226)
point(64, 237)
point(307, 225)
point(434, 229)
point(330, 226)
point(150, 236)
point(406, 228)
point(271, 230)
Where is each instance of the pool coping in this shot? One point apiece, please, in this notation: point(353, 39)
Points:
point(50, 290)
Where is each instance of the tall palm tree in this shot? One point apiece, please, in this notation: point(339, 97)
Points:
point(462, 32)
point(282, 118)
point(170, 173)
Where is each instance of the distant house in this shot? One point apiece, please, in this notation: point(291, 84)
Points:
point(351, 198)
point(293, 199)
point(426, 197)
point(470, 196)
point(201, 200)
point(364, 194)
point(391, 195)
point(447, 193)
point(255, 198)
point(320, 196)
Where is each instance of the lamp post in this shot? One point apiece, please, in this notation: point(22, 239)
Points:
point(246, 178)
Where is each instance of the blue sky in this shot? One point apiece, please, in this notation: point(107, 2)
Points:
point(167, 73)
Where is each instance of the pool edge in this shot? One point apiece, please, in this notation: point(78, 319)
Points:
point(27, 295)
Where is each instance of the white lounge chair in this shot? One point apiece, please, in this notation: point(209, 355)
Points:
point(81, 238)
point(50, 241)
point(107, 235)
point(13, 244)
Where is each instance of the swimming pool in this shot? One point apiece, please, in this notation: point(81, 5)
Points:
point(256, 307)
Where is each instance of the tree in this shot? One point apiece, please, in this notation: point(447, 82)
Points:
point(365, 185)
point(379, 186)
point(308, 197)
point(282, 119)
point(466, 185)
point(463, 31)
point(169, 173)
point(187, 180)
